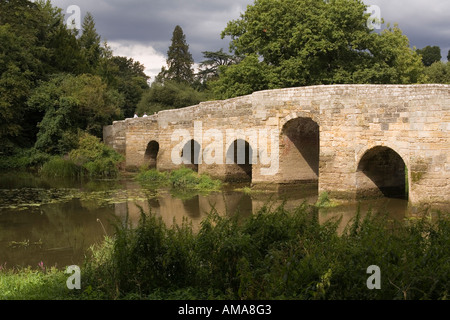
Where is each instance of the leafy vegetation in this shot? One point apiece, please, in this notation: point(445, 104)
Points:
point(438, 72)
point(60, 168)
point(277, 254)
point(430, 55)
point(304, 42)
point(170, 95)
point(92, 158)
point(180, 180)
point(324, 201)
point(274, 254)
point(33, 284)
point(55, 82)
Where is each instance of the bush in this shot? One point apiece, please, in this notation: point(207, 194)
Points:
point(92, 159)
point(97, 159)
point(185, 178)
point(58, 167)
point(184, 182)
point(23, 159)
point(277, 254)
point(153, 176)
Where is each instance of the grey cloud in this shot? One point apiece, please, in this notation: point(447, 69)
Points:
point(152, 22)
point(425, 22)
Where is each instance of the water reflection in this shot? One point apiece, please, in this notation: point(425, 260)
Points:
point(56, 222)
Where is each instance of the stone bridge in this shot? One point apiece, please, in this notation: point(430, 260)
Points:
point(352, 140)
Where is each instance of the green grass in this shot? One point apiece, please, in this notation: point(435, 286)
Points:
point(34, 284)
point(324, 201)
point(179, 181)
point(58, 167)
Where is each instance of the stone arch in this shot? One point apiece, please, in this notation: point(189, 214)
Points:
point(299, 114)
point(239, 161)
point(190, 154)
point(299, 150)
point(151, 154)
point(381, 172)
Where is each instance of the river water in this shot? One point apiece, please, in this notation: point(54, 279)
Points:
point(54, 222)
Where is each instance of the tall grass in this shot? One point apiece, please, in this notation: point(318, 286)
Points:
point(58, 167)
point(183, 179)
point(275, 254)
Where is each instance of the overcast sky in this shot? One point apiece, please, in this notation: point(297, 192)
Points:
point(142, 29)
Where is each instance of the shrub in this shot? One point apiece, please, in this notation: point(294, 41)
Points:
point(58, 167)
point(97, 159)
point(186, 178)
point(23, 159)
point(278, 254)
point(184, 182)
point(153, 176)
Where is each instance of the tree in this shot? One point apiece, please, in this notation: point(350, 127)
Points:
point(90, 42)
point(448, 55)
point(168, 95)
point(311, 42)
point(22, 64)
point(131, 81)
point(430, 55)
point(53, 83)
point(127, 77)
point(179, 60)
point(438, 72)
point(243, 78)
point(209, 68)
point(71, 103)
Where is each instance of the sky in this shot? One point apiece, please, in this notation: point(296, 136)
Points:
point(142, 29)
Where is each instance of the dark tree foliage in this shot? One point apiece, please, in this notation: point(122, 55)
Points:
point(179, 60)
point(210, 67)
point(55, 81)
point(430, 55)
point(311, 42)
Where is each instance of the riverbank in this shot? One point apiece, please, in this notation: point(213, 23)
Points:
point(274, 254)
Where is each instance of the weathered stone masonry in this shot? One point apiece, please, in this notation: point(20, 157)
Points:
point(354, 139)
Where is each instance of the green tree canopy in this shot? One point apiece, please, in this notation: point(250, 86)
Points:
point(90, 42)
point(310, 42)
point(168, 95)
point(127, 77)
point(430, 55)
point(39, 56)
point(23, 55)
point(179, 60)
point(72, 103)
point(210, 67)
point(438, 72)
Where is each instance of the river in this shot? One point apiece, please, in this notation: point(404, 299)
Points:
point(54, 222)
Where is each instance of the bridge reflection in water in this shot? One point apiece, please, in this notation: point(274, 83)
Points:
point(229, 202)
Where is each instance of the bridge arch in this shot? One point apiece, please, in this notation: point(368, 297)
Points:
point(299, 114)
point(239, 161)
point(190, 154)
point(151, 154)
point(299, 150)
point(381, 172)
